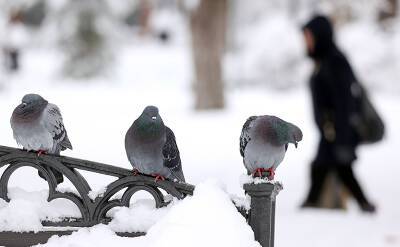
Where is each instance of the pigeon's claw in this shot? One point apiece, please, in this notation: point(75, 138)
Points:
point(158, 177)
point(40, 152)
point(258, 172)
point(135, 172)
point(271, 173)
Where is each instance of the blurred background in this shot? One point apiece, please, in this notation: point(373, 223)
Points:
point(208, 65)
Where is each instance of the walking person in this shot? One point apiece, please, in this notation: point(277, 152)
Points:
point(333, 104)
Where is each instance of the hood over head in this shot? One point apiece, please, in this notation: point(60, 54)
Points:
point(322, 31)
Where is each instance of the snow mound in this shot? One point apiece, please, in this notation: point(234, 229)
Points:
point(139, 217)
point(26, 210)
point(208, 218)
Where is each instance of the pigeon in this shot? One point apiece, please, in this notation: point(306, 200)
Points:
point(38, 126)
point(264, 141)
point(151, 147)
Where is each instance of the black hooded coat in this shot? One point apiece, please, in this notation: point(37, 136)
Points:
point(333, 102)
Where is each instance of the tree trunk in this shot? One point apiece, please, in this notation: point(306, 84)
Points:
point(208, 28)
point(390, 10)
point(342, 14)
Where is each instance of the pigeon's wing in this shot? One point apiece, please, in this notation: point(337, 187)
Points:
point(54, 124)
point(171, 156)
point(245, 136)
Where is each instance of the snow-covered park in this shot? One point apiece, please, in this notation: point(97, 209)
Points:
point(98, 112)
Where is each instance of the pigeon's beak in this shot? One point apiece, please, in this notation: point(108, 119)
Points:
point(153, 118)
point(296, 144)
point(23, 105)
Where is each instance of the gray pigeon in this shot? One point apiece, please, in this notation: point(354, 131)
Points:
point(264, 141)
point(38, 126)
point(151, 147)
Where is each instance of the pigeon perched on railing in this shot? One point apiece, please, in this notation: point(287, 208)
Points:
point(264, 141)
point(38, 126)
point(151, 147)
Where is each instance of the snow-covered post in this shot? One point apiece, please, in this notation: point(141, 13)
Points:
point(261, 217)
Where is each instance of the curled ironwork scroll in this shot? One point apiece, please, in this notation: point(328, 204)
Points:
point(92, 211)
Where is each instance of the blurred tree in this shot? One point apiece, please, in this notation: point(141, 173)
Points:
point(389, 11)
point(208, 29)
point(342, 12)
point(84, 38)
point(34, 15)
point(140, 15)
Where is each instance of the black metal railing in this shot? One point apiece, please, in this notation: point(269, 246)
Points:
point(260, 216)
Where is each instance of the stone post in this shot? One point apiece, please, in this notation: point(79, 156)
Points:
point(261, 216)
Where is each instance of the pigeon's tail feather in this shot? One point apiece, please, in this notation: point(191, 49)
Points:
point(178, 175)
point(66, 143)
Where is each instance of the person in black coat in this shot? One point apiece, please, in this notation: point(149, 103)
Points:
point(333, 105)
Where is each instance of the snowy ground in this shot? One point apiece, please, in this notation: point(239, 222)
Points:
point(97, 115)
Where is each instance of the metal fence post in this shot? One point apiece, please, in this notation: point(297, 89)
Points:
point(261, 217)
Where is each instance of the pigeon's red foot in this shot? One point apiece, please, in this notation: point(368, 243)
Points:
point(271, 172)
point(40, 152)
point(259, 172)
point(158, 177)
point(135, 172)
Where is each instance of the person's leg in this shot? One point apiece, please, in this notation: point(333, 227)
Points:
point(318, 176)
point(345, 173)
point(318, 173)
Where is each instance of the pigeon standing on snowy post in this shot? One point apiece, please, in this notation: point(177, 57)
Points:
point(151, 147)
point(264, 141)
point(38, 126)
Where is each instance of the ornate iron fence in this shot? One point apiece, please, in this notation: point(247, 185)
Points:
point(261, 216)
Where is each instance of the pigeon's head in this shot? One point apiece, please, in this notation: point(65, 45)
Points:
point(31, 104)
point(297, 135)
point(151, 112)
point(150, 119)
point(149, 125)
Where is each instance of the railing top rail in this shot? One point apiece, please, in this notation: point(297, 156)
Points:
point(81, 164)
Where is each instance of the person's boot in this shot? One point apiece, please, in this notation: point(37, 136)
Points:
point(309, 204)
point(368, 207)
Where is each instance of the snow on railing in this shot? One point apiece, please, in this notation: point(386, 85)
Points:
point(93, 208)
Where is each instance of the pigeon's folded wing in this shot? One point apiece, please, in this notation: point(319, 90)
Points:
point(171, 155)
point(245, 136)
point(54, 124)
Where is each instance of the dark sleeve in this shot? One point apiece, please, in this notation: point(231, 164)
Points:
point(316, 102)
point(340, 81)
